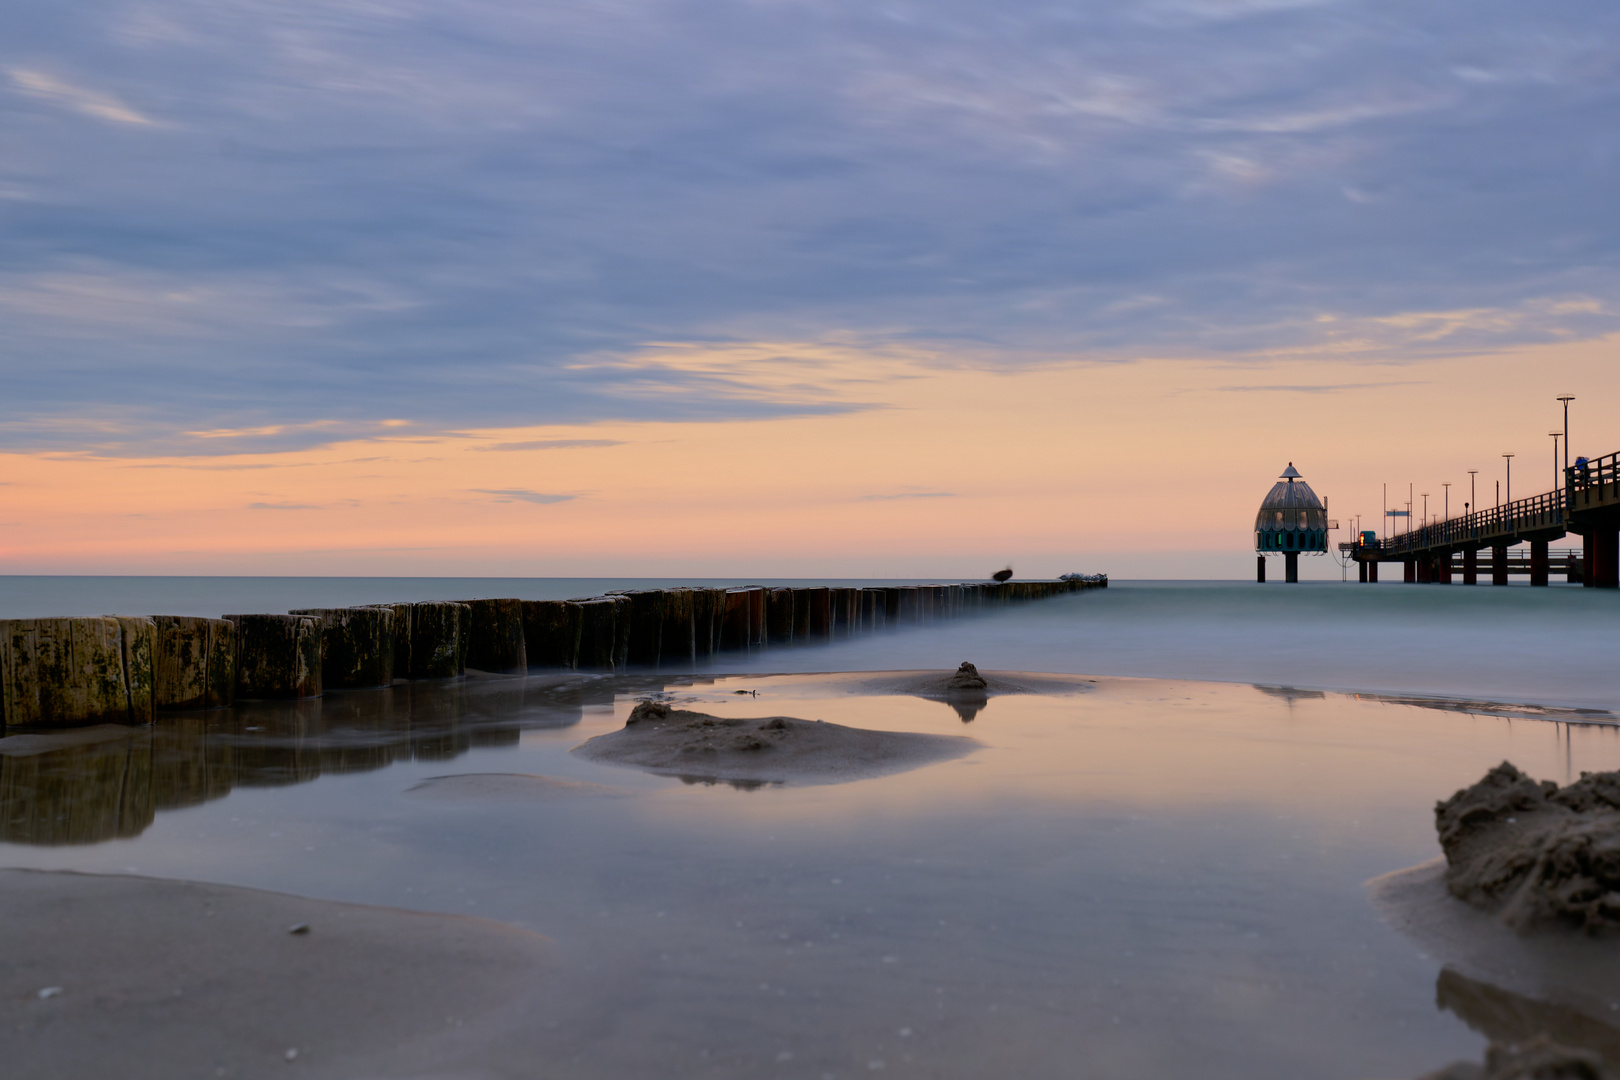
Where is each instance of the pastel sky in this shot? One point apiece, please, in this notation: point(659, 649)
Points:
point(786, 287)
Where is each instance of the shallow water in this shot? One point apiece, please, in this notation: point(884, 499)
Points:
point(1145, 879)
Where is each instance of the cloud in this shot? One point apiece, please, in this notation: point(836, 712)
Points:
point(523, 495)
point(552, 444)
point(910, 495)
point(480, 216)
point(90, 102)
point(283, 506)
point(1316, 388)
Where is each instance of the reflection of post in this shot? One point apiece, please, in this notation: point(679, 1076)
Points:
point(78, 794)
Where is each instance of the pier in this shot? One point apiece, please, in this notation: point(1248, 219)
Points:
point(67, 672)
point(1440, 552)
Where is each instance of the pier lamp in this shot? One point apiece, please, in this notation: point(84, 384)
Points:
point(1447, 485)
point(1425, 495)
point(1566, 399)
point(1557, 484)
point(1509, 458)
point(1473, 496)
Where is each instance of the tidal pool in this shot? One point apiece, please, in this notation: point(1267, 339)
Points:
point(1128, 878)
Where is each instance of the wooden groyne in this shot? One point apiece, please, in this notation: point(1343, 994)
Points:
point(66, 672)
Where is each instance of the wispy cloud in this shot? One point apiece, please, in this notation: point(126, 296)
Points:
point(552, 444)
point(910, 495)
point(523, 495)
point(1316, 388)
point(90, 102)
point(283, 506)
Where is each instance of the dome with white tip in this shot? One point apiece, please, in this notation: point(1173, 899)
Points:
point(1291, 517)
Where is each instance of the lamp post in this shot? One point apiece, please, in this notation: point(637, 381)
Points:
point(1509, 458)
point(1555, 434)
point(1566, 399)
point(1447, 485)
point(1473, 496)
point(1425, 509)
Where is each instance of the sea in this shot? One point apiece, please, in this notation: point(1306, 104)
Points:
point(1514, 644)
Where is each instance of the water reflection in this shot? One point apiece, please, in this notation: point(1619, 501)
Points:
point(84, 788)
point(1505, 1017)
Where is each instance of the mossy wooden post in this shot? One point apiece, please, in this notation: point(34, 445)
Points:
point(436, 644)
point(277, 656)
point(551, 633)
point(495, 639)
point(194, 662)
point(598, 634)
point(357, 646)
point(645, 627)
point(779, 617)
point(68, 672)
point(679, 635)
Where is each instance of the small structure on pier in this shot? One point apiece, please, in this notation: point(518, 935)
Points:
point(1291, 520)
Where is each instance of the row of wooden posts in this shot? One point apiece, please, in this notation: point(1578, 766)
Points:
point(125, 669)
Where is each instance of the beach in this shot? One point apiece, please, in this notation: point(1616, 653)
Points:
point(1122, 877)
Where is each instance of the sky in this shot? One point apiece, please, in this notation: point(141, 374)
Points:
point(786, 288)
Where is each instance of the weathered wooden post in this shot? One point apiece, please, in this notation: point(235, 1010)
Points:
point(779, 616)
point(357, 646)
point(874, 606)
point(551, 633)
point(495, 638)
point(644, 626)
point(708, 620)
point(69, 672)
point(678, 638)
point(194, 662)
point(599, 634)
point(433, 635)
point(735, 633)
point(277, 656)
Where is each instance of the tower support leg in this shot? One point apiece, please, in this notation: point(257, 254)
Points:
point(1372, 573)
point(1260, 569)
point(1361, 571)
point(1410, 576)
point(1471, 566)
point(1291, 567)
point(1498, 564)
point(1538, 562)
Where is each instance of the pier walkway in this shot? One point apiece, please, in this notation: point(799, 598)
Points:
point(1588, 507)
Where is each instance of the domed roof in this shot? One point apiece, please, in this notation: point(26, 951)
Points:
point(1291, 493)
point(1291, 518)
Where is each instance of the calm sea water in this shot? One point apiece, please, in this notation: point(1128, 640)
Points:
point(1548, 646)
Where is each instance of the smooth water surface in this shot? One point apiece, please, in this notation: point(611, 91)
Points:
point(1142, 879)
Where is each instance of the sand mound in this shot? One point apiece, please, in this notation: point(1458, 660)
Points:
point(1534, 852)
point(505, 787)
point(967, 689)
point(137, 977)
point(772, 749)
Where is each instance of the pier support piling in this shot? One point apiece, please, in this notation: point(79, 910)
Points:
point(1471, 566)
point(1604, 561)
point(1410, 576)
point(1372, 573)
point(1260, 569)
point(1499, 564)
point(1361, 571)
point(1291, 567)
point(1538, 562)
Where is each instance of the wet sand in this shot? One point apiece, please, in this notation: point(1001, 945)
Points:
point(134, 977)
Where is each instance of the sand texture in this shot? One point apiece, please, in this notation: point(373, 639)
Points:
point(1534, 852)
point(772, 749)
point(137, 977)
point(506, 787)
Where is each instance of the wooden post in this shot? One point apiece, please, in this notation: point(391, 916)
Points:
point(1372, 572)
point(646, 627)
point(1606, 556)
point(551, 630)
point(495, 638)
point(1291, 567)
point(277, 656)
point(678, 643)
point(1411, 571)
point(598, 635)
point(1260, 569)
point(779, 616)
point(1499, 574)
point(194, 662)
point(1471, 566)
point(357, 646)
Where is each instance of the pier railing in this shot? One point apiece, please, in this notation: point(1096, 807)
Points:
point(1538, 513)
